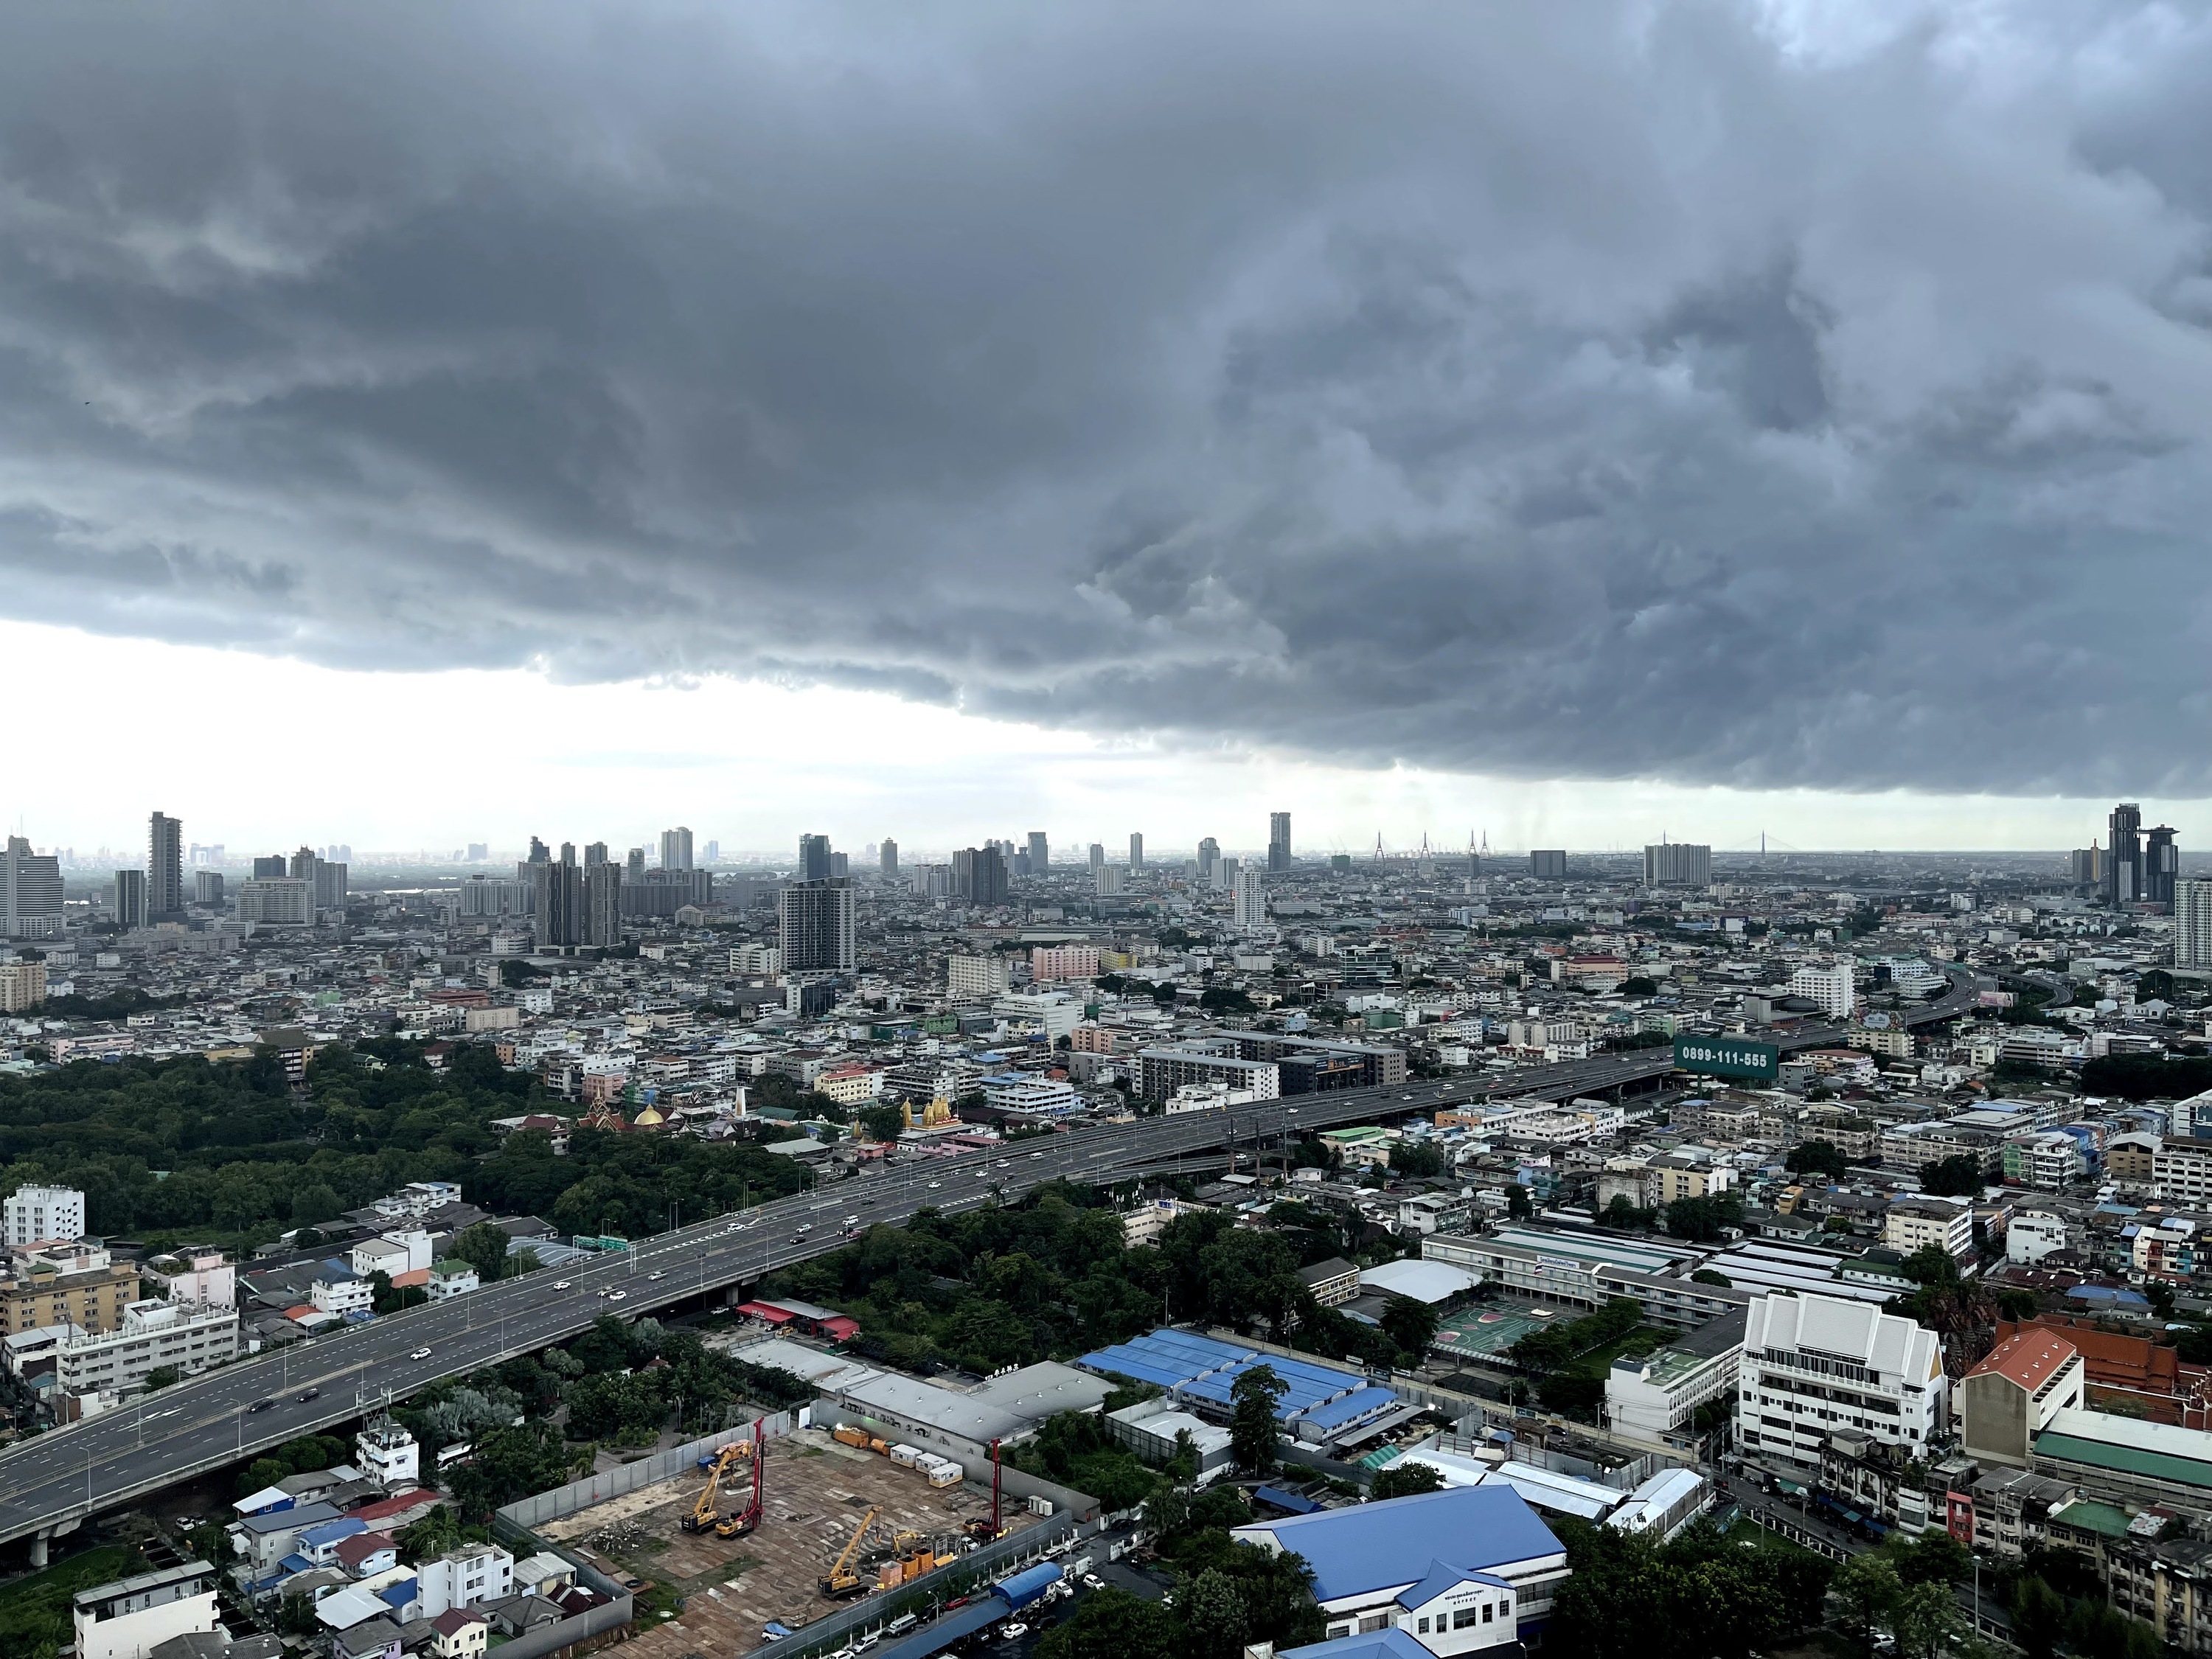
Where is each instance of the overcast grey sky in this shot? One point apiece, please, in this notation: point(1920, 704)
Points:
point(1778, 397)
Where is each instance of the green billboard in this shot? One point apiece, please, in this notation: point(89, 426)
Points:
point(1728, 1056)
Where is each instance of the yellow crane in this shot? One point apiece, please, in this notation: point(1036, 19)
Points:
point(841, 1580)
point(704, 1513)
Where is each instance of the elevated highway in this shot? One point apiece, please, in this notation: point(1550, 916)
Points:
point(52, 1483)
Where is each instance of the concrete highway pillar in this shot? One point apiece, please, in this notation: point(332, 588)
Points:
point(39, 1548)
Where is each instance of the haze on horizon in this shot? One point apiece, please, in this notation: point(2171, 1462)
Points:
point(1576, 424)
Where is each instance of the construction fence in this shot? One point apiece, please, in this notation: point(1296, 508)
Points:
point(531, 1513)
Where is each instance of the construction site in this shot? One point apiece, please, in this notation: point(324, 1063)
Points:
point(812, 1525)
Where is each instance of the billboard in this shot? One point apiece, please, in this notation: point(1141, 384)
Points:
point(1728, 1056)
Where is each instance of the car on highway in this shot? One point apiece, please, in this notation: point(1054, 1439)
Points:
point(260, 1406)
point(852, 1220)
point(662, 1275)
point(618, 1296)
point(1036, 1154)
point(304, 1398)
point(420, 1354)
point(561, 1284)
point(1005, 1163)
point(798, 1238)
point(805, 1226)
point(934, 1185)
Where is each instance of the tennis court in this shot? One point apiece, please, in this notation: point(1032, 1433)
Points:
point(1490, 1329)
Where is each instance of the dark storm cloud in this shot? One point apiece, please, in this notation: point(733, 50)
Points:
point(1758, 395)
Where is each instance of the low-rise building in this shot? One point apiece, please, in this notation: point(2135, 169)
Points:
point(1656, 1396)
point(152, 1336)
point(1914, 1223)
point(67, 1285)
point(451, 1277)
point(128, 1619)
point(2015, 1392)
point(1457, 1570)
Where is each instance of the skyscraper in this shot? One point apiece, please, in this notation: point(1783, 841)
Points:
point(30, 891)
point(713, 851)
point(2123, 870)
point(1279, 841)
point(2161, 864)
point(2193, 923)
point(814, 858)
point(1251, 902)
point(1209, 851)
point(634, 866)
point(890, 858)
point(595, 853)
point(815, 924)
point(676, 849)
point(1136, 850)
point(165, 869)
point(2086, 864)
point(603, 901)
point(207, 889)
point(539, 853)
point(1097, 858)
point(269, 869)
point(978, 875)
point(1039, 854)
point(130, 898)
point(1548, 864)
point(1678, 864)
point(557, 898)
point(568, 851)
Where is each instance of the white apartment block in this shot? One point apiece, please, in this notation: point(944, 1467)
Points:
point(463, 1576)
point(388, 1455)
point(128, 1619)
point(153, 1335)
point(2031, 1235)
point(1830, 986)
point(194, 1277)
point(972, 978)
point(43, 1215)
point(1814, 1363)
point(1914, 1223)
point(277, 901)
point(2181, 1171)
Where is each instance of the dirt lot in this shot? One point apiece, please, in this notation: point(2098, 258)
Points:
point(817, 1491)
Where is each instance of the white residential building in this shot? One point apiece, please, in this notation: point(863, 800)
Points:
point(2182, 1171)
point(2032, 1234)
point(197, 1276)
point(392, 1253)
point(338, 1290)
point(972, 979)
point(463, 1576)
point(451, 1277)
point(1914, 1223)
point(1250, 902)
point(153, 1335)
point(43, 1215)
point(128, 1619)
point(1830, 986)
point(1812, 1363)
point(388, 1455)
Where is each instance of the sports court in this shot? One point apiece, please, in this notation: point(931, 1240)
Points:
point(1487, 1329)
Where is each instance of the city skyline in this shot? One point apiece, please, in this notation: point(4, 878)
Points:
point(1807, 470)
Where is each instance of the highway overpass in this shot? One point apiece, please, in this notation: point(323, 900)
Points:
point(51, 1483)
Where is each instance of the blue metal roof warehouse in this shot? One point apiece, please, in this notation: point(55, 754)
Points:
point(1203, 1368)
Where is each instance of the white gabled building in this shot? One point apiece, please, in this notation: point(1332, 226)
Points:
point(1814, 1363)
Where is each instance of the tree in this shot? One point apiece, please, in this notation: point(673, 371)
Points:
point(1410, 1324)
point(1406, 1478)
point(1933, 1557)
point(2019, 1304)
point(295, 1616)
point(1112, 1624)
point(1958, 1176)
point(1702, 1219)
point(2039, 1616)
point(1639, 985)
point(1816, 1158)
point(1708, 1276)
point(1417, 1158)
point(1516, 1201)
point(161, 1377)
point(1868, 1589)
point(1252, 1398)
point(884, 1120)
point(1926, 1618)
point(1213, 1613)
point(484, 1248)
